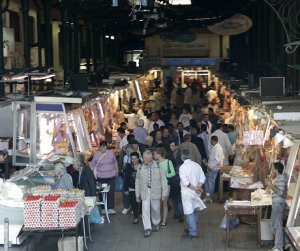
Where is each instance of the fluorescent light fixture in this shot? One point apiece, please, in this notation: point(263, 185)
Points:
point(138, 90)
point(43, 77)
point(177, 2)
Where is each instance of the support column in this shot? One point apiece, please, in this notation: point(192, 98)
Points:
point(65, 49)
point(39, 31)
point(2, 89)
point(48, 29)
point(88, 47)
point(26, 48)
point(77, 46)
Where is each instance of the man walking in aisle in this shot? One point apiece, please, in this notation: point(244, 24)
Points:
point(215, 161)
point(151, 187)
point(192, 179)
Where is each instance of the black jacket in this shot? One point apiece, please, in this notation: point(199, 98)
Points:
point(129, 177)
point(87, 181)
point(200, 145)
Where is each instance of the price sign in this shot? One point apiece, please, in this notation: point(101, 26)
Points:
point(253, 138)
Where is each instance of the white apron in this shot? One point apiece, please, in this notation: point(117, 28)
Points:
point(190, 201)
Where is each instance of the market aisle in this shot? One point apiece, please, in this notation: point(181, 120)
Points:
point(122, 235)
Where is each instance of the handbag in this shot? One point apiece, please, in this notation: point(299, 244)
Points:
point(95, 217)
point(119, 184)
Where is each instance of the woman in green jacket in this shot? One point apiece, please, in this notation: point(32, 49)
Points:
point(167, 166)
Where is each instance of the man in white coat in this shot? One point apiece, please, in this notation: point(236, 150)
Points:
point(192, 179)
point(224, 141)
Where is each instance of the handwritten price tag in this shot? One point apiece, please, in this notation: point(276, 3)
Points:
point(253, 138)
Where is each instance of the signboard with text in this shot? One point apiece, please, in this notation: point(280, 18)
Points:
point(253, 138)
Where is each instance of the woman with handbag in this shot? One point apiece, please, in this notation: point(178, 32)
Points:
point(105, 168)
point(167, 166)
point(129, 183)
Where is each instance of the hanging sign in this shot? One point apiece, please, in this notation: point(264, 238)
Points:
point(253, 138)
point(234, 25)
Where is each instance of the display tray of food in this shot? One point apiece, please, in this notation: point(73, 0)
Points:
point(238, 171)
point(261, 197)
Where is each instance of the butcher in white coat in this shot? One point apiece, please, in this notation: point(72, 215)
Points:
point(192, 179)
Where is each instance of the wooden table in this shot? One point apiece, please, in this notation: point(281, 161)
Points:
point(224, 169)
point(233, 210)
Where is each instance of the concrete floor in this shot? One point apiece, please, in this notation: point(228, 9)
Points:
point(122, 235)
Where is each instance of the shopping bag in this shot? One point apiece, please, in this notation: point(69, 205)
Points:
point(95, 217)
point(232, 224)
point(119, 185)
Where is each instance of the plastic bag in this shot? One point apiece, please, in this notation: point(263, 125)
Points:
point(233, 222)
point(95, 217)
point(119, 186)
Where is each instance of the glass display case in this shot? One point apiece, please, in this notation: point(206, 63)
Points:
point(22, 133)
point(79, 130)
point(41, 132)
point(293, 223)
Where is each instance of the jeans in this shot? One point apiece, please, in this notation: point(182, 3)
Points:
point(125, 200)
point(177, 205)
point(192, 220)
point(210, 182)
point(276, 224)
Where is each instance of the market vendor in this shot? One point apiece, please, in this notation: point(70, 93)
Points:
point(279, 192)
point(64, 179)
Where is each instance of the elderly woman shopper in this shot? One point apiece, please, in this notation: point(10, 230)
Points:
point(151, 187)
point(64, 179)
point(86, 178)
point(105, 166)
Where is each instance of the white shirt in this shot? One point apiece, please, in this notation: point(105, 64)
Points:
point(132, 120)
point(123, 142)
point(216, 157)
point(225, 144)
point(191, 172)
point(184, 132)
point(185, 119)
point(211, 95)
point(159, 122)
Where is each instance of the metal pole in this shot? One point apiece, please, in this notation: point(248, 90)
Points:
point(65, 31)
point(26, 38)
point(6, 234)
point(2, 89)
point(76, 45)
point(39, 28)
point(48, 28)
